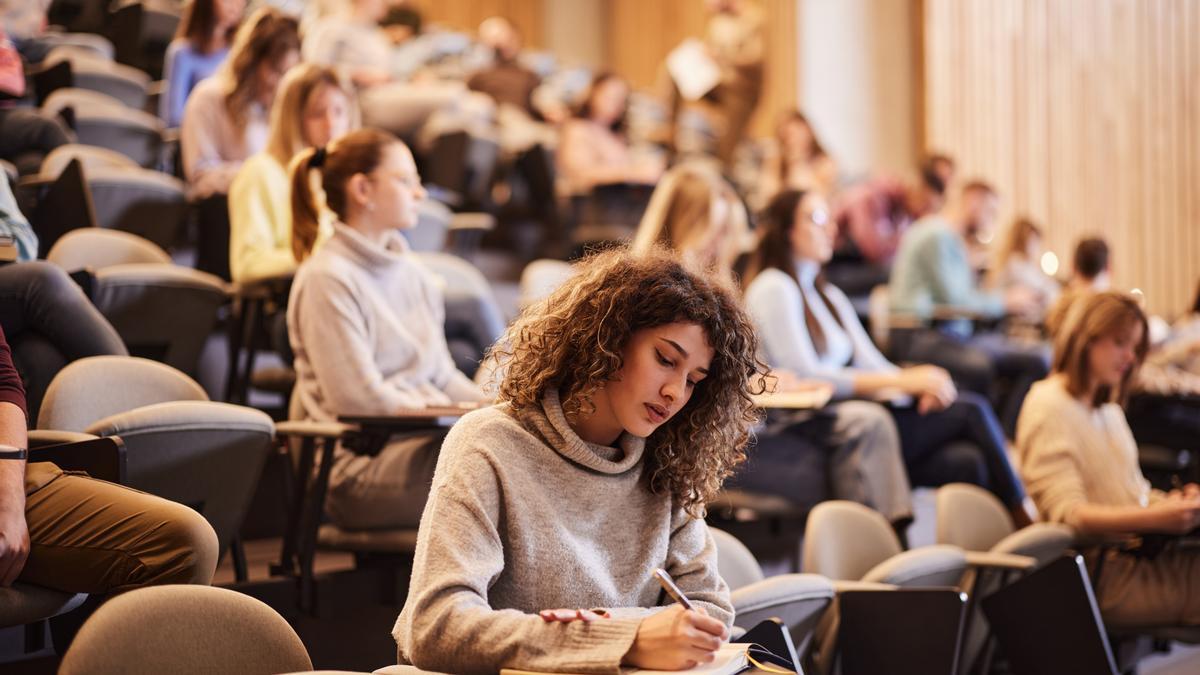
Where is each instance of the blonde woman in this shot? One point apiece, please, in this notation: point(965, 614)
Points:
point(225, 119)
point(1080, 463)
point(314, 106)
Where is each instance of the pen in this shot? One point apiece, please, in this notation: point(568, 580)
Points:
point(672, 590)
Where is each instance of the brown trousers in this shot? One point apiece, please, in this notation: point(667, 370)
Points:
point(1134, 592)
point(91, 536)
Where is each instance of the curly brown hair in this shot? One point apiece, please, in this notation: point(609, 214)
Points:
point(573, 341)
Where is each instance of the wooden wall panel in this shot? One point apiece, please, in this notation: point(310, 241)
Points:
point(640, 34)
point(1084, 114)
point(466, 15)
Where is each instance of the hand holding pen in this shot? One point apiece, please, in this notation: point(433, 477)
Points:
point(678, 637)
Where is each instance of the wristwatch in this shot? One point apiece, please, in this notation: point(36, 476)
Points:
point(13, 452)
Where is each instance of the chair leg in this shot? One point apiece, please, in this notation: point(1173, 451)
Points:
point(237, 322)
point(309, 525)
point(237, 553)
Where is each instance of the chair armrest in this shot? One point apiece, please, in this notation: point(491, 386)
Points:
point(484, 222)
point(1000, 561)
point(843, 585)
point(939, 565)
point(311, 429)
point(781, 590)
point(102, 458)
point(40, 438)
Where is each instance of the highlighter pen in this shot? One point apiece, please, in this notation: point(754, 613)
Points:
point(672, 590)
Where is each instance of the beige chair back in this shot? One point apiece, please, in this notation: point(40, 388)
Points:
point(970, 517)
point(844, 540)
point(735, 563)
point(97, 248)
point(92, 157)
point(184, 630)
point(97, 387)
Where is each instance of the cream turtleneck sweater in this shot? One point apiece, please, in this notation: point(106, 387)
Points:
point(367, 324)
point(524, 516)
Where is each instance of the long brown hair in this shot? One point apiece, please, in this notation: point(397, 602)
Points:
point(266, 37)
point(1089, 319)
point(774, 251)
point(198, 23)
point(585, 106)
point(357, 152)
point(572, 342)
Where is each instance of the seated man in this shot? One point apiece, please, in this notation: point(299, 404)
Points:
point(933, 272)
point(76, 534)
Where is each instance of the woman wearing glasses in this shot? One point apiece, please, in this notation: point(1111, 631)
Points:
point(807, 326)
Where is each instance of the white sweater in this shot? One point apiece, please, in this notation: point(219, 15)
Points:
point(367, 325)
point(213, 146)
point(1073, 454)
point(524, 515)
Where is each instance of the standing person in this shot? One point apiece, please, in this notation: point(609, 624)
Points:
point(809, 327)
point(625, 403)
point(199, 48)
point(313, 107)
point(365, 319)
point(932, 273)
point(848, 450)
point(1080, 462)
point(734, 38)
point(225, 119)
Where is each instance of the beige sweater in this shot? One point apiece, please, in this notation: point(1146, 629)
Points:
point(524, 516)
point(1072, 453)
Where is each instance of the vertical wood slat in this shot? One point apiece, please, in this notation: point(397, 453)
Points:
point(1085, 115)
point(466, 15)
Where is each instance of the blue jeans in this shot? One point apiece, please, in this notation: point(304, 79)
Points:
point(961, 444)
point(49, 322)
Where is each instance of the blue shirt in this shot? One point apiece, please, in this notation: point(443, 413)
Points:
point(932, 269)
point(14, 224)
point(183, 68)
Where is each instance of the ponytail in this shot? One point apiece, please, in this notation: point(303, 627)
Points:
point(305, 210)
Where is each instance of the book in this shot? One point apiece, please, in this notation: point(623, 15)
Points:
point(731, 658)
point(695, 72)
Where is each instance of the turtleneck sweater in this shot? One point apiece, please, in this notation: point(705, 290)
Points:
point(524, 515)
point(366, 321)
point(776, 303)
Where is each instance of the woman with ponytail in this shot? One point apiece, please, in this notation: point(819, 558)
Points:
point(365, 320)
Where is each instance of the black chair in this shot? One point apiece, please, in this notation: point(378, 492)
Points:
point(907, 631)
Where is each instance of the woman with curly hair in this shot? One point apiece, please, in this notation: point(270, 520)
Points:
point(624, 404)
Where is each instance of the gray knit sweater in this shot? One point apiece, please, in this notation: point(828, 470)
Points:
point(524, 516)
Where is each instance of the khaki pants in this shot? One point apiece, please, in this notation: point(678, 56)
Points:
point(387, 490)
point(1134, 592)
point(91, 536)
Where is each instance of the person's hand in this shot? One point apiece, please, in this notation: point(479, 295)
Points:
point(14, 544)
point(676, 639)
point(648, 170)
point(931, 385)
point(1022, 301)
point(570, 615)
point(1178, 512)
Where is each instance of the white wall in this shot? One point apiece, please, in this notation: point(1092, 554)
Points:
point(858, 81)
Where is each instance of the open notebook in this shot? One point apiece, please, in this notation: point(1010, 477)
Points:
point(731, 658)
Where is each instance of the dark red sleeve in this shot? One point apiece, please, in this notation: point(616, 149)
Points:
point(11, 390)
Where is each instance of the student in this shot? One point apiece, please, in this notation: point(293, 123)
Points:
point(809, 327)
point(225, 119)
point(365, 320)
point(76, 534)
point(1080, 462)
point(351, 39)
point(1089, 274)
point(933, 272)
point(1020, 266)
point(200, 46)
point(797, 160)
point(848, 450)
point(314, 106)
point(624, 405)
point(593, 149)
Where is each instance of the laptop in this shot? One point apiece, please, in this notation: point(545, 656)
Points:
point(907, 631)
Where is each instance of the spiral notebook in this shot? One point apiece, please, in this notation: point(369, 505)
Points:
point(731, 658)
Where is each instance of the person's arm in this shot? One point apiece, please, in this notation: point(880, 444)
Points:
point(14, 533)
point(692, 564)
point(777, 307)
point(581, 165)
point(335, 338)
point(453, 629)
point(952, 278)
point(178, 70)
point(255, 212)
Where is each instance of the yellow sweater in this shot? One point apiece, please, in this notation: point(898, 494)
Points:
point(260, 221)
